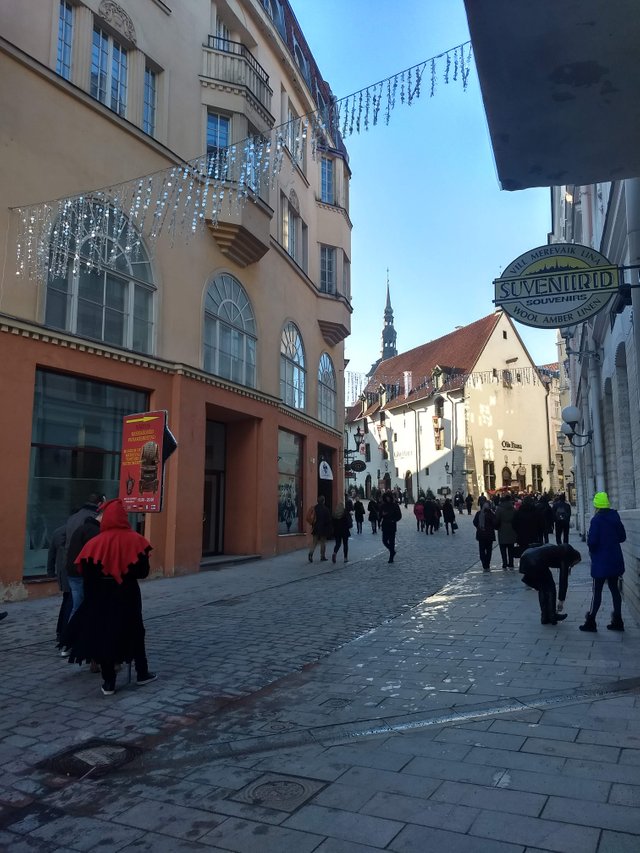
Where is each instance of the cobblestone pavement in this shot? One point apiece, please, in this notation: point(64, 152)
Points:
point(333, 708)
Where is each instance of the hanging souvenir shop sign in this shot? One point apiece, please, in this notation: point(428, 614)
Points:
point(556, 286)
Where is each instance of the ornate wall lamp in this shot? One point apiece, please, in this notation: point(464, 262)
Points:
point(571, 418)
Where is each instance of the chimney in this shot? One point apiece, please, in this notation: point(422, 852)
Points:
point(408, 380)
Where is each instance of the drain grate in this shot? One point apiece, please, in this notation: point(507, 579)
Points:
point(335, 703)
point(94, 756)
point(273, 791)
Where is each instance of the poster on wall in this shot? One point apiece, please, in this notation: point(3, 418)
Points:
point(289, 482)
point(147, 443)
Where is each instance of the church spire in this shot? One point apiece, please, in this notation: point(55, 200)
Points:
point(388, 331)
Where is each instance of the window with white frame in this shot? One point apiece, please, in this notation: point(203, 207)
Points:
point(293, 231)
point(489, 473)
point(536, 478)
point(218, 132)
point(346, 276)
point(326, 184)
point(326, 391)
point(109, 65)
point(292, 369)
point(150, 101)
point(109, 298)
point(65, 39)
point(229, 332)
point(327, 269)
point(223, 35)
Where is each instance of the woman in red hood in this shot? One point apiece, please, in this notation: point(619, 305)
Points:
point(108, 627)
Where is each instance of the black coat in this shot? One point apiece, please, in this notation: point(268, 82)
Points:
point(527, 523)
point(322, 526)
point(108, 626)
point(488, 532)
point(448, 512)
point(390, 514)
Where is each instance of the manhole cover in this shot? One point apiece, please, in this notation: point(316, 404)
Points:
point(278, 726)
point(335, 704)
point(95, 756)
point(284, 793)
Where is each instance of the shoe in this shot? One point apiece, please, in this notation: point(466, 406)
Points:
point(4, 615)
point(323, 559)
point(65, 653)
point(346, 559)
point(560, 617)
point(589, 624)
point(616, 623)
point(310, 558)
point(147, 678)
point(390, 560)
point(108, 688)
point(333, 558)
point(504, 568)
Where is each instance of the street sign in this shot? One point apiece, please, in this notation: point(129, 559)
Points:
point(358, 465)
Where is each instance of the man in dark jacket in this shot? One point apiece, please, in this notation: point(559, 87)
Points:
point(535, 566)
point(562, 519)
point(390, 514)
point(76, 520)
point(321, 529)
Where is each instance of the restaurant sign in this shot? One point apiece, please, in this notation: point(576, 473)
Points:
point(556, 286)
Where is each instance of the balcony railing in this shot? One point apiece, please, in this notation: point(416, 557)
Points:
point(233, 62)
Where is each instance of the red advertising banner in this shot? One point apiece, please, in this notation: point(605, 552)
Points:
point(141, 463)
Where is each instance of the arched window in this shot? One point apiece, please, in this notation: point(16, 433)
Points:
point(229, 332)
point(108, 294)
point(292, 372)
point(439, 407)
point(326, 391)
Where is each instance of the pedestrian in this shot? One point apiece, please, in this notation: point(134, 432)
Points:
point(56, 568)
point(606, 533)
point(108, 625)
point(506, 532)
point(545, 517)
point(405, 498)
point(358, 511)
point(469, 503)
point(562, 518)
point(535, 567)
point(458, 501)
point(482, 499)
point(418, 511)
point(449, 516)
point(389, 517)
point(319, 517)
point(76, 520)
point(373, 514)
point(526, 523)
point(484, 522)
point(342, 524)
point(430, 515)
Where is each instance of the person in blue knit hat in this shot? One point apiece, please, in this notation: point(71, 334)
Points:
point(606, 533)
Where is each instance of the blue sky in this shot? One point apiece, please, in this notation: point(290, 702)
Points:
point(425, 199)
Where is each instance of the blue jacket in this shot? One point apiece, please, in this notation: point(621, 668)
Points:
point(606, 532)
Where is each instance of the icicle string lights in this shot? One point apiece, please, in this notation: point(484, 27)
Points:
point(179, 201)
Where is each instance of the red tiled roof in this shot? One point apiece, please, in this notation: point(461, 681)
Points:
point(456, 353)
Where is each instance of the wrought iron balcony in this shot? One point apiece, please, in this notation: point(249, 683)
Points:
point(232, 62)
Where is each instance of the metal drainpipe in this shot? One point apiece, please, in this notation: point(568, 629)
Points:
point(632, 203)
point(596, 420)
point(416, 424)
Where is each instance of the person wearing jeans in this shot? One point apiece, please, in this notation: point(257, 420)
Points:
point(485, 524)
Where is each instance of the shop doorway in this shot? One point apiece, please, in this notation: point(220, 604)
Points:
point(214, 490)
point(325, 487)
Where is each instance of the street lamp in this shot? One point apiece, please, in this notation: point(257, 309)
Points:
point(358, 437)
point(571, 418)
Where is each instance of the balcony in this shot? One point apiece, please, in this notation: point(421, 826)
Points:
point(334, 318)
point(243, 232)
point(232, 62)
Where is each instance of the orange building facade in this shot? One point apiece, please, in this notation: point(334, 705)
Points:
point(236, 332)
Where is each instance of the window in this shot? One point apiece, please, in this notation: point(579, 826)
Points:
point(439, 407)
point(367, 453)
point(294, 232)
point(507, 379)
point(326, 391)
point(326, 188)
point(346, 276)
point(229, 332)
point(489, 472)
point(65, 39)
point(110, 300)
point(327, 269)
point(76, 436)
point(150, 101)
point(109, 71)
point(504, 335)
point(218, 127)
point(222, 36)
point(292, 370)
point(289, 482)
point(536, 478)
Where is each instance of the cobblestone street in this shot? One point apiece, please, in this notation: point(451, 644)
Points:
point(333, 708)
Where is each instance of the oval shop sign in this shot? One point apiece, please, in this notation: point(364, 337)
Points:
point(555, 286)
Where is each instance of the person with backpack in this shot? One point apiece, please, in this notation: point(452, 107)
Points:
point(342, 524)
point(562, 519)
point(319, 517)
point(390, 515)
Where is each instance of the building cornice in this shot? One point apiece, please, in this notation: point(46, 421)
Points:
point(336, 208)
point(24, 329)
